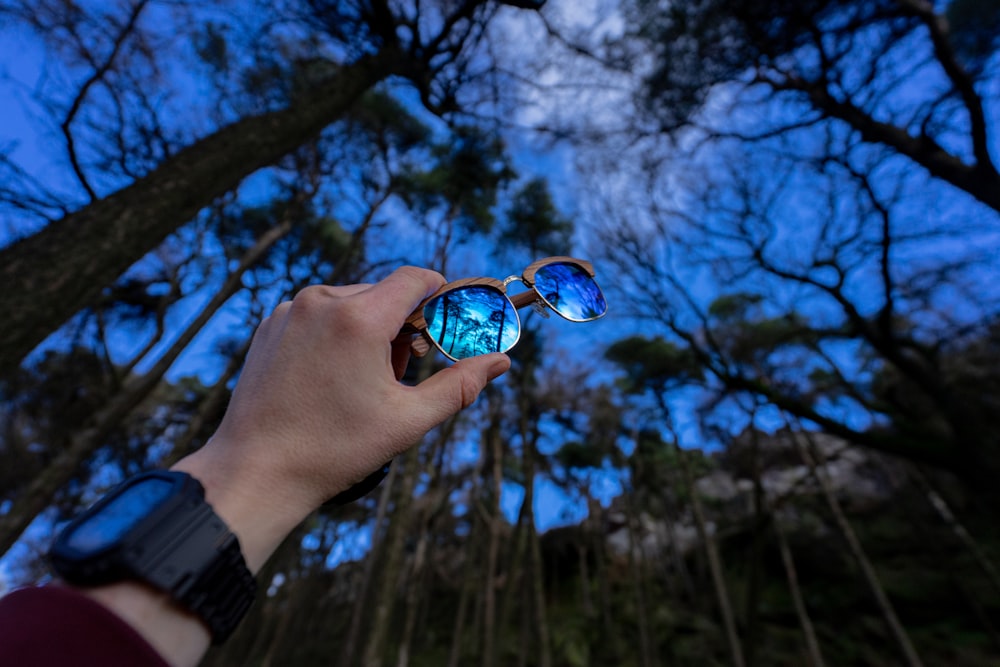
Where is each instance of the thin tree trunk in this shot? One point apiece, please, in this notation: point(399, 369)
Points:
point(413, 589)
point(347, 657)
point(458, 630)
point(541, 609)
point(599, 538)
point(535, 579)
point(756, 564)
point(940, 506)
point(714, 562)
point(85, 441)
point(296, 601)
point(685, 589)
point(711, 552)
point(514, 572)
point(467, 586)
point(211, 409)
point(814, 460)
point(812, 645)
point(635, 576)
point(493, 444)
point(586, 596)
point(417, 578)
point(392, 567)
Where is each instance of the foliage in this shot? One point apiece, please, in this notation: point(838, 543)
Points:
point(798, 211)
point(654, 364)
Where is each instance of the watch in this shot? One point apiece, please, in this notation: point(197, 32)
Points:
point(158, 528)
point(361, 489)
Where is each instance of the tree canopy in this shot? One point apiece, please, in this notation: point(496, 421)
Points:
point(780, 444)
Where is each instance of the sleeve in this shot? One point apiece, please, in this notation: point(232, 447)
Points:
point(55, 625)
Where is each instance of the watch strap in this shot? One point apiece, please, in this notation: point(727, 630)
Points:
point(182, 547)
point(361, 489)
point(198, 561)
point(223, 593)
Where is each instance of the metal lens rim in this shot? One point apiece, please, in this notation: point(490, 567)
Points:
point(586, 274)
point(486, 286)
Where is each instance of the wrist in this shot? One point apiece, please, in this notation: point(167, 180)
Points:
point(256, 506)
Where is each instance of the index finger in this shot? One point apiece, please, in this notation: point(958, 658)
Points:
point(395, 297)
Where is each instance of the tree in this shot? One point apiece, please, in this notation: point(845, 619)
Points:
point(534, 222)
point(379, 40)
point(832, 61)
point(807, 205)
point(653, 368)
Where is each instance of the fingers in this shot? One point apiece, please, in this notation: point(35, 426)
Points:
point(455, 388)
point(400, 356)
point(395, 297)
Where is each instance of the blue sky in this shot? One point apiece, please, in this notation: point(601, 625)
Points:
point(617, 173)
point(35, 144)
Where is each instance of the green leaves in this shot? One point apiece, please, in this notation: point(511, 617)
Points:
point(534, 222)
point(462, 180)
point(653, 364)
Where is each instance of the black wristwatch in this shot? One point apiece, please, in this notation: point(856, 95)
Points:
point(158, 528)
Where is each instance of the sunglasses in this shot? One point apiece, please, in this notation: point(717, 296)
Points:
point(474, 316)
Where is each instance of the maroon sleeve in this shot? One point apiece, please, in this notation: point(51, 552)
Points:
point(55, 625)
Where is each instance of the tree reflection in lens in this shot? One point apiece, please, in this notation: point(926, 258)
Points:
point(470, 321)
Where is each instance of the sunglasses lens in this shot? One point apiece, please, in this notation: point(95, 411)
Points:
point(570, 291)
point(469, 321)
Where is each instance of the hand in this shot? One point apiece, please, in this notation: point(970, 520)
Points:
point(319, 406)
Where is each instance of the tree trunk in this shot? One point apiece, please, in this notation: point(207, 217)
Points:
point(468, 584)
point(812, 645)
point(813, 461)
point(392, 567)
point(635, 576)
point(84, 442)
point(492, 444)
point(210, 410)
point(63, 268)
point(599, 539)
point(714, 562)
point(944, 511)
point(514, 575)
point(347, 658)
point(535, 580)
point(417, 586)
point(756, 560)
point(296, 602)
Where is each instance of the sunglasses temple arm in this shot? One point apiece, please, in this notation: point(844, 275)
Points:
point(419, 346)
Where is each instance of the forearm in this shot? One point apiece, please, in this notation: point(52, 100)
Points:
point(318, 407)
point(258, 510)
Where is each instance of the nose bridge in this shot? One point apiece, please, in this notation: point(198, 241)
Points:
point(510, 279)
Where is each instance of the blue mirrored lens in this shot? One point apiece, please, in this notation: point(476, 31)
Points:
point(570, 291)
point(469, 321)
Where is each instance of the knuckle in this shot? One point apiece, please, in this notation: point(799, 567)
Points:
point(311, 297)
point(417, 274)
point(321, 303)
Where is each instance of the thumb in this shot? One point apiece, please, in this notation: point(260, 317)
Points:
point(457, 387)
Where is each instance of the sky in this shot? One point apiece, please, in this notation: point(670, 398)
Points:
point(35, 144)
point(554, 93)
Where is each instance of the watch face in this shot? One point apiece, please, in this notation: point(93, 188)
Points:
point(106, 526)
